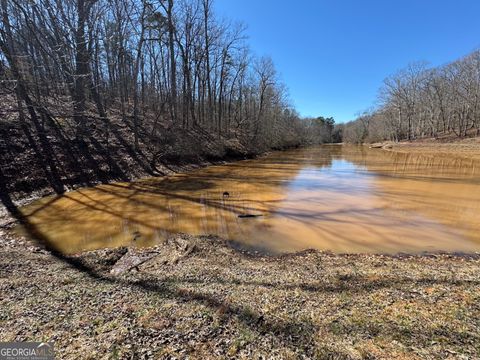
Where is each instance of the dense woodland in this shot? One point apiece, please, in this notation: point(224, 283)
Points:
point(87, 84)
point(422, 102)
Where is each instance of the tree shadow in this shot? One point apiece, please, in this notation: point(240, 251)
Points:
point(117, 171)
point(59, 161)
point(290, 332)
point(136, 155)
point(354, 284)
point(44, 157)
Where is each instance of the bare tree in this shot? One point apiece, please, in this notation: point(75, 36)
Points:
point(418, 102)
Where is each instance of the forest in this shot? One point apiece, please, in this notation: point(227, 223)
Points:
point(94, 90)
point(419, 102)
point(164, 195)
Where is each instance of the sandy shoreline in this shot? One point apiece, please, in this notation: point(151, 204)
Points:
point(465, 149)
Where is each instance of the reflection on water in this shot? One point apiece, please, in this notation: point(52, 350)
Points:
point(339, 198)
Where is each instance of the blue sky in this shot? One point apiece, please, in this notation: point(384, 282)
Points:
point(333, 55)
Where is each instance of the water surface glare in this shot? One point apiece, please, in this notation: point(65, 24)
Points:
point(340, 198)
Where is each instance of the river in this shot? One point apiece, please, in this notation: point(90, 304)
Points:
point(343, 199)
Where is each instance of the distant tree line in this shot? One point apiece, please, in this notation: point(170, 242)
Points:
point(154, 64)
point(421, 102)
point(320, 130)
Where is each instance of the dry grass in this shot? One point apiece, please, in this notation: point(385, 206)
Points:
point(219, 303)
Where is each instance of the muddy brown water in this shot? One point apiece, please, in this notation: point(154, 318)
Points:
point(340, 198)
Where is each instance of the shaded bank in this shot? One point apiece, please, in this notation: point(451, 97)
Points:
point(68, 163)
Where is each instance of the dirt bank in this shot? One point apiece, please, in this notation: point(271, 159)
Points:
point(465, 149)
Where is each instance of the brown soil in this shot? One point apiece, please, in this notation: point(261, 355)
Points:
point(465, 149)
